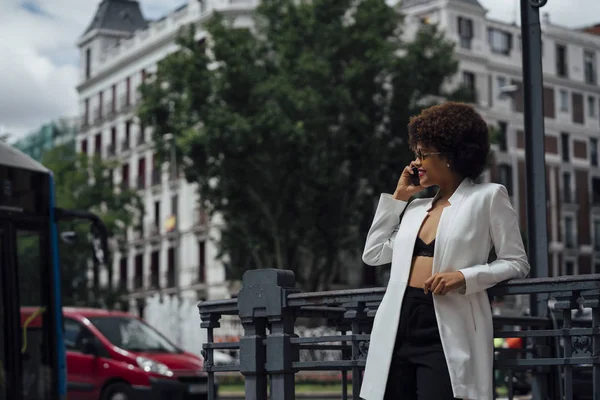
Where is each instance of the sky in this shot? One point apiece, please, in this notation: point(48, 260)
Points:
point(39, 57)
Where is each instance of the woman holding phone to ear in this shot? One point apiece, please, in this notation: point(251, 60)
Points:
point(432, 337)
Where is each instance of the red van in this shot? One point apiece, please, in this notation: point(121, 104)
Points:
point(113, 355)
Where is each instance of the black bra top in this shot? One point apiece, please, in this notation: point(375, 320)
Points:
point(423, 249)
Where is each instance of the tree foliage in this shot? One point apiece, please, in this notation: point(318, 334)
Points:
point(85, 183)
point(292, 129)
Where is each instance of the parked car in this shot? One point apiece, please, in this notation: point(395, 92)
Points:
point(113, 355)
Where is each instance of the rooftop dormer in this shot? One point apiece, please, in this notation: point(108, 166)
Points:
point(114, 20)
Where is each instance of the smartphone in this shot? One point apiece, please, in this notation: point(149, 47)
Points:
point(415, 177)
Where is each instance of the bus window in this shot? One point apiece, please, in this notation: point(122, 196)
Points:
point(33, 269)
point(3, 359)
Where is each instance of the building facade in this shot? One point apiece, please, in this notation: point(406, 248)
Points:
point(175, 252)
point(490, 57)
point(47, 137)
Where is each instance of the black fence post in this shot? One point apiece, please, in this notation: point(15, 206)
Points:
point(261, 302)
point(592, 300)
point(210, 322)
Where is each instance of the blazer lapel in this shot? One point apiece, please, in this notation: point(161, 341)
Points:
point(446, 224)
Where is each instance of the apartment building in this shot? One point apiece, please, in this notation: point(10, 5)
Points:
point(174, 253)
point(490, 56)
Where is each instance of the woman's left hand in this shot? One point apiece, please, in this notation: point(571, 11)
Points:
point(444, 282)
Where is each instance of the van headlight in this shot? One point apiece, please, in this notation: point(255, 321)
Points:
point(149, 365)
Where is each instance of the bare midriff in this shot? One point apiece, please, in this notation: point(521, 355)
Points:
point(420, 271)
point(422, 267)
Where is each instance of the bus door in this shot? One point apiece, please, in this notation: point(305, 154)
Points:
point(27, 328)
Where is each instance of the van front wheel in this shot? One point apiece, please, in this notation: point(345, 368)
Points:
point(117, 391)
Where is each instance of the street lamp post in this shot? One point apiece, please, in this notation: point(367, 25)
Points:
point(535, 163)
point(534, 145)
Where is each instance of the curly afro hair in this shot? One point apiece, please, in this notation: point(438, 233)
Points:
point(457, 131)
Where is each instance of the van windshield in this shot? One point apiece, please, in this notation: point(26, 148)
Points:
point(131, 334)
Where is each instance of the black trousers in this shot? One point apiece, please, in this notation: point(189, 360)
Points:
point(418, 370)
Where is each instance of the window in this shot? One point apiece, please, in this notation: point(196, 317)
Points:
point(157, 213)
point(174, 205)
point(171, 267)
point(502, 128)
point(75, 335)
point(114, 98)
point(98, 144)
point(505, 177)
point(565, 148)
point(84, 148)
point(141, 182)
point(138, 279)
point(596, 190)
point(465, 32)
point(500, 41)
point(100, 104)
point(567, 187)
point(154, 269)
point(561, 61)
point(123, 274)
point(569, 233)
point(578, 108)
point(569, 268)
point(589, 67)
point(597, 235)
point(501, 81)
point(564, 100)
point(88, 63)
point(128, 91)
point(86, 113)
point(594, 152)
point(469, 83)
point(133, 335)
point(201, 261)
point(591, 103)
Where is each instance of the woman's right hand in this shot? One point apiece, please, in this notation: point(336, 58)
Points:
point(405, 189)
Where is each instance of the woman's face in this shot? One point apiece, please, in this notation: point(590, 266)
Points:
point(433, 166)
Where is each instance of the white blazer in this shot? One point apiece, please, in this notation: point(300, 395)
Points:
point(479, 216)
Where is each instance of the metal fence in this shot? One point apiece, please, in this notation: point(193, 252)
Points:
point(558, 350)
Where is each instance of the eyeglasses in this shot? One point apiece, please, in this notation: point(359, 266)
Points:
point(420, 154)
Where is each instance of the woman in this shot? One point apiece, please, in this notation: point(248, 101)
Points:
point(432, 336)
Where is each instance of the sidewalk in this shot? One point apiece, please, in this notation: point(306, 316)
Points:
point(326, 396)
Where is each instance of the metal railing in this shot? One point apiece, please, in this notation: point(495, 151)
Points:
point(556, 350)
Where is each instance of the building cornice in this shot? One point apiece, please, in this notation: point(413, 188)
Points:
point(112, 66)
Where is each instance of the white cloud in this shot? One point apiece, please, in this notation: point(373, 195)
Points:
point(572, 14)
point(38, 54)
point(38, 58)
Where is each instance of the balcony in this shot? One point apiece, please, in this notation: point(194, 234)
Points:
point(552, 366)
point(152, 229)
point(171, 276)
point(84, 125)
point(97, 115)
point(156, 177)
point(154, 280)
point(201, 220)
point(138, 282)
point(125, 145)
point(125, 103)
point(109, 110)
point(111, 150)
point(141, 181)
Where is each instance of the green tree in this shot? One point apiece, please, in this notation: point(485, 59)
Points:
point(291, 129)
point(85, 183)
